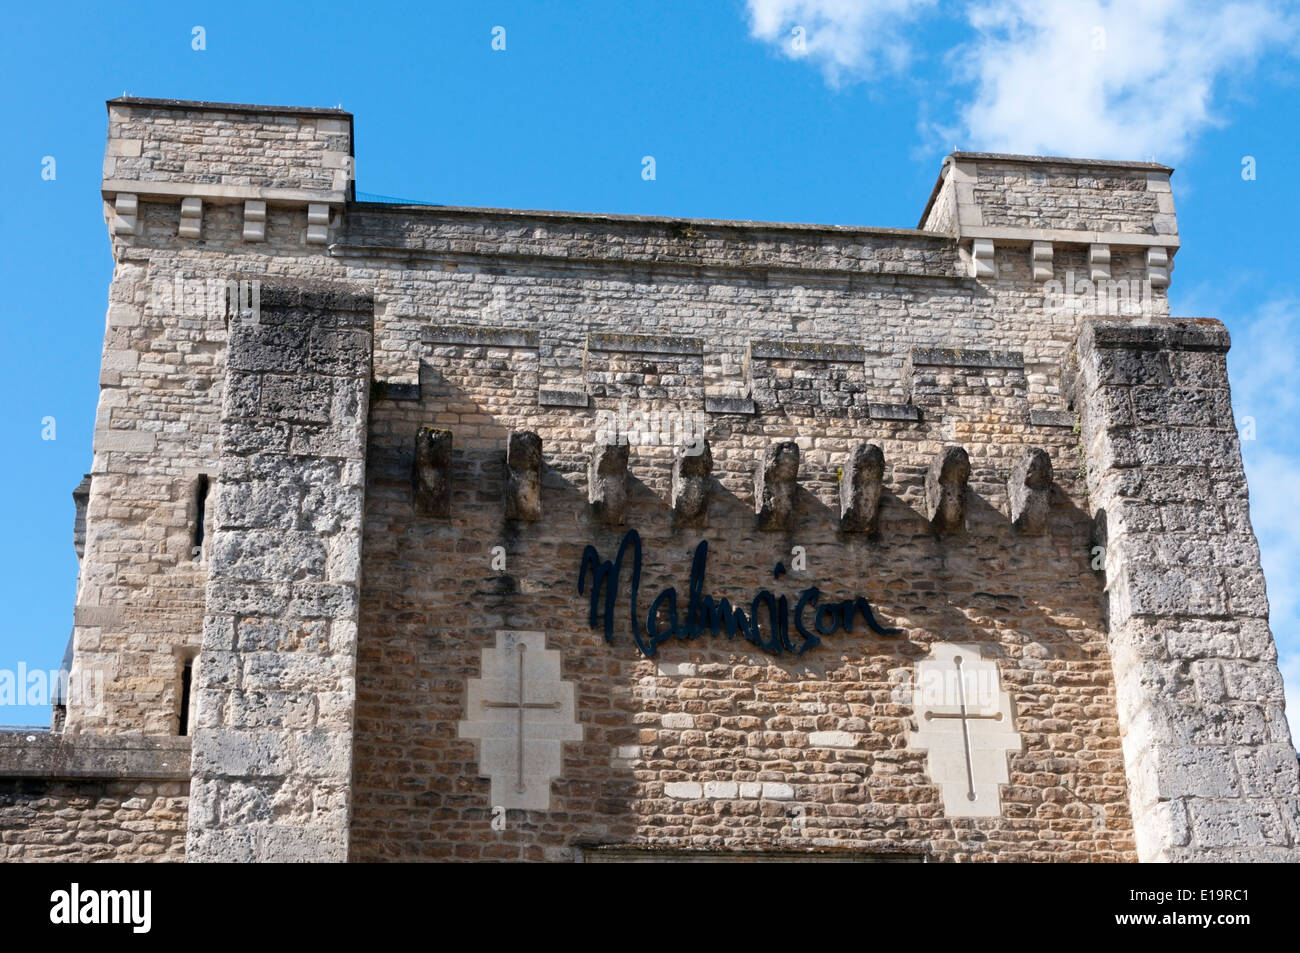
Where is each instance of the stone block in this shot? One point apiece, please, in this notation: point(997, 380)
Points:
point(607, 482)
point(432, 472)
point(692, 484)
point(775, 486)
point(1030, 491)
point(860, 485)
point(945, 490)
point(523, 497)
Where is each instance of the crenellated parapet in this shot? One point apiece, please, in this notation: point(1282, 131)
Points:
point(197, 156)
point(1033, 209)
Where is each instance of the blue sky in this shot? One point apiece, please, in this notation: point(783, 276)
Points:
point(835, 111)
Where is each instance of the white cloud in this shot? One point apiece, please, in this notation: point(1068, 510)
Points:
point(1105, 79)
point(1094, 78)
point(846, 38)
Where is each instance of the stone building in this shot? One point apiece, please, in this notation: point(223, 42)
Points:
point(417, 532)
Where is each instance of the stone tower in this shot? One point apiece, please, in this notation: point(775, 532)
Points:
point(409, 528)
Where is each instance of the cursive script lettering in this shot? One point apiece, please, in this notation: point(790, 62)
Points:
point(707, 614)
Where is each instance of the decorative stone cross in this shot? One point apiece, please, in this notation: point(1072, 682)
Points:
point(521, 713)
point(966, 725)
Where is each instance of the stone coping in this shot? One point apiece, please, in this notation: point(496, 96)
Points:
point(199, 104)
point(37, 753)
point(1178, 334)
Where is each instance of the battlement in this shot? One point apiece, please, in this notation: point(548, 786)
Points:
point(989, 201)
point(195, 153)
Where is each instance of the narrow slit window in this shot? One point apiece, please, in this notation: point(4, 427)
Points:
point(200, 506)
point(187, 679)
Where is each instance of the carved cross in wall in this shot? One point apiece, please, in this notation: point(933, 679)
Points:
point(966, 727)
point(521, 712)
point(520, 707)
point(965, 717)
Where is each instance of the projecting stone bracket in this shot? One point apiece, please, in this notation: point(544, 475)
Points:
point(774, 486)
point(318, 223)
point(1030, 492)
point(607, 482)
point(254, 221)
point(692, 482)
point(860, 485)
point(945, 490)
point(524, 476)
point(191, 224)
point(1159, 265)
point(1099, 262)
point(982, 264)
point(126, 214)
point(1040, 257)
point(432, 474)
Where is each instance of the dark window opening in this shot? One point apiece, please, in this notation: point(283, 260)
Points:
point(200, 504)
point(187, 677)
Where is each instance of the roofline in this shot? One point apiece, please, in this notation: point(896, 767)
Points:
point(228, 107)
point(1062, 160)
point(668, 220)
point(1035, 160)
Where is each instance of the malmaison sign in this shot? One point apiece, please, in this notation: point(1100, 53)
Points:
point(767, 623)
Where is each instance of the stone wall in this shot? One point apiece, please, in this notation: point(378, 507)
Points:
point(86, 821)
point(1120, 199)
point(488, 323)
point(713, 743)
point(66, 798)
point(1210, 759)
point(230, 151)
point(273, 747)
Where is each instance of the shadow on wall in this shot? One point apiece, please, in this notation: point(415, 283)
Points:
point(432, 601)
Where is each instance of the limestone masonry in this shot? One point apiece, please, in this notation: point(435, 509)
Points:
point(426, 533)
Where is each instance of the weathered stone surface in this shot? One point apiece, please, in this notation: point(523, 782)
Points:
point(692, 484)
point(1206, 780)
point(775, 484)
point(524, 476)
point(945, 490)
point(860, 485)
point(607, 483)
point(432, 476)
point(285, 557)
point(1030, 491)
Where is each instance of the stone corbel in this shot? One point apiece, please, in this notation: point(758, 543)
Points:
point(1099, 262)
point(1159, 265)
point(692, 482)
point(607, 482)
point(524, 476)
point(945, 490)
point(860, 485)
point(191, 225)
point(981, 259)
point(1040, 257)
point(254, 221)
point(318, 224)
point(1030, 492)
point(126, 211)
point(774, 486)
point(433, 472)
